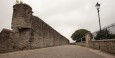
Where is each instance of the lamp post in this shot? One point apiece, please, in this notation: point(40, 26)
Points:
point(98, 7)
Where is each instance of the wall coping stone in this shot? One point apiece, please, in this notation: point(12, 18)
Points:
point(104, 40)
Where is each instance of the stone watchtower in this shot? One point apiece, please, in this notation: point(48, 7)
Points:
point(21, 19)
point(22, 24)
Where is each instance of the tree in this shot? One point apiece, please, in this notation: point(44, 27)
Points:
point(104, 34)
point(113, 36)
point(79, 34)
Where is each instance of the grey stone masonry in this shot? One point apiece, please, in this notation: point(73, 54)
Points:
point(104, 45)
point(29, 32)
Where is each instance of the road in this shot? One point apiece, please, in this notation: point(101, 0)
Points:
point(66, 51)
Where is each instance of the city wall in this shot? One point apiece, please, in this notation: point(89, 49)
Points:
point(28, 32)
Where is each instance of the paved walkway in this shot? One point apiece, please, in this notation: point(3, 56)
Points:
point(67, 51)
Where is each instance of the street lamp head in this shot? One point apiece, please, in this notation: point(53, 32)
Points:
point(97, 5)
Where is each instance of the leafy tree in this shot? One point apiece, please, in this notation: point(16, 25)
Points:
point(78, 34)
point(113, 36)
point(104, 34)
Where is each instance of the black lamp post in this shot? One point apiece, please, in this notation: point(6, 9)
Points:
point(98, 7)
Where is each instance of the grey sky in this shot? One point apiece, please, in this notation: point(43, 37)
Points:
point(65, 16)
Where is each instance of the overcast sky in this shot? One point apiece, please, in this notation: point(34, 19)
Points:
point(65, 16)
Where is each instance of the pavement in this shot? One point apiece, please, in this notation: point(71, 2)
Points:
point(66, 51)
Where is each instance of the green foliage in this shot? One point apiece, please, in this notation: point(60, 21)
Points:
point(104, 34)
point(113, 36)
point(78, 34)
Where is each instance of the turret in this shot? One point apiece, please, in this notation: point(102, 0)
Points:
point(21, 18)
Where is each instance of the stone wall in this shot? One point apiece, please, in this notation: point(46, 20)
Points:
point(6, 43)
point(104, 45)
point(29, 32)
point(81, 44)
